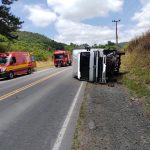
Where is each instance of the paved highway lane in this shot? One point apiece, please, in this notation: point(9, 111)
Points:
point(32, 118)
point(19, 81)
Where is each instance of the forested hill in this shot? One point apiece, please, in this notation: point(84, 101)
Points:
point(35, 41)
point(39, 44)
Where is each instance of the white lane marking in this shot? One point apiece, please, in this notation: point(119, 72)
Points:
point(62, 131)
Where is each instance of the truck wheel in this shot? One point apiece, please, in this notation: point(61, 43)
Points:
point(29, 71)
point(64, 65)
point(10, 75)
point(59, 65)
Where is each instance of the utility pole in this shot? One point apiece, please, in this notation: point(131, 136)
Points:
point(116, 21)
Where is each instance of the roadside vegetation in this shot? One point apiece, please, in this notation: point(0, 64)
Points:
point(44, 64)
point(41, 46)
point(136, 64)
point(81, 121)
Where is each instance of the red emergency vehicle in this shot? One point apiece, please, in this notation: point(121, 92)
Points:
point(16, 63)
point(62, 58)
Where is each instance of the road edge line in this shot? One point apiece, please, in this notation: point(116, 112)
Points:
point(62, 131)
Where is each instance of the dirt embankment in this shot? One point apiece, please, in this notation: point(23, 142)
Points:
point(111, 120)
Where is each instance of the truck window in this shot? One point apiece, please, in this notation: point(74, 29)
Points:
point(59, 56)
point(3, 60)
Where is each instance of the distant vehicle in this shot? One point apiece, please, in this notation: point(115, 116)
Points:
point(62, 58)
point(16, 63)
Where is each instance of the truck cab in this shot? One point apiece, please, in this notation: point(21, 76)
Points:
point(62, 58)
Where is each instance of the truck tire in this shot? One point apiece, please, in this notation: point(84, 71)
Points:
point(11, 75)
point(29, 71)
point(64, 65)
point(59, 65)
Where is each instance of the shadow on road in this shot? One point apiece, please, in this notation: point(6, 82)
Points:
point(15, 77)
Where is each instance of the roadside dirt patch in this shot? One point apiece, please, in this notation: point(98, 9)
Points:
point(44, 64)
point(111, 121)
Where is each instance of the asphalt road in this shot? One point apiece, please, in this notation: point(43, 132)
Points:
point(33, 109)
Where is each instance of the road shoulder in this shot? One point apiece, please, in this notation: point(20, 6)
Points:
point(110, 120)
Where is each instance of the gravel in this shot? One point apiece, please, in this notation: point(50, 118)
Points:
point(113, 120)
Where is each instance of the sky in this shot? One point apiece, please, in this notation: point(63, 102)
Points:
point(84, 21)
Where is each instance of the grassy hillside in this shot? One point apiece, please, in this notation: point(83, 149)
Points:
point(40, 45)
point(137, 65)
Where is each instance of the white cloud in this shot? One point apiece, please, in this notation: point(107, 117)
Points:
point(144, 2)
point(39, 16)
point(72, 12)
point(79, 33)
point(141, 20)
point(142, 17)
point(131, 33)
point(69, 31)
point(77, 10)
point(68, 14)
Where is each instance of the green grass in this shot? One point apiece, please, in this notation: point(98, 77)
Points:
point(136, 87)
point(80, 123)
point(76, 141)
point(137, 80)
point(137, 63)
point(147, 103)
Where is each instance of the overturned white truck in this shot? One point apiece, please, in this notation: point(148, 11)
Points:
point(95, 65)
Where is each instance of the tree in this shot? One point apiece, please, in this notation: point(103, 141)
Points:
point(111, 43)
point(8, 22)
point(8, 2)
point(95, 46)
